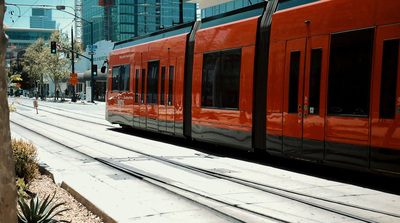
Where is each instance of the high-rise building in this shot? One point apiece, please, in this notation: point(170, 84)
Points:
point(119, 20)
point(42, 19)
point(226, 7)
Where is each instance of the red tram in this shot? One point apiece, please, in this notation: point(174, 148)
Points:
point(317, 81)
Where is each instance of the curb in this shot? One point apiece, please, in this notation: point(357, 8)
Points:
point(81, 199)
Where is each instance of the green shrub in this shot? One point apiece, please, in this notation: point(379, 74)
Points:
point(21, 187)
point(39, 211)
point(25, 159)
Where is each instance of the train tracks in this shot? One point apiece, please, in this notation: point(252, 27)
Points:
point(203, 180)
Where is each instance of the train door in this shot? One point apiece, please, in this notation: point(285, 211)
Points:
point(314, 100)
point(162, 112)
point(304, 99)
point(385, 125)
point(142, 103)
point(293, 97)
point(136, 102)
point(170, 96)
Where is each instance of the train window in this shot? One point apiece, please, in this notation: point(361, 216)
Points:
point(171, 84)
point(115, 79)
point(350, 73)
point(120, 78)
point(221, 79)
point(294, 81)
point(152, 82)
point(125, 78)
point(163, 82)
point(389, 79)
point(137, 86)
point(143, 83)
point(315, 81)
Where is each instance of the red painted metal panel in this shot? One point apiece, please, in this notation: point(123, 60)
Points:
point(276, 69)
point(323, 17)
point(197, 78)
point(246, 79)
point(347, 128)
point(387, 12)
point(233, 35)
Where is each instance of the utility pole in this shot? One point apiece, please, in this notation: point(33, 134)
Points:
point(73, 63)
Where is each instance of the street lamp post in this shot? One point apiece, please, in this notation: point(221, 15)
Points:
point(62, 8)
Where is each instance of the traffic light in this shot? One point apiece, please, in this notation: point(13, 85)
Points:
point(53, 47)
point(94, 69)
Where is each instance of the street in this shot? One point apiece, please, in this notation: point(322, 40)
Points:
point(135, 178)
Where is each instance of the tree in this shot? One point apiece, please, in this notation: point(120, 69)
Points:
point(33, 62)
point(58, 65)
point(8, 193)
point(39, 62)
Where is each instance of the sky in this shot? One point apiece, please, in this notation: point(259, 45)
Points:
point(18, 16)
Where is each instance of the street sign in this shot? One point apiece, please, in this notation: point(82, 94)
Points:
point(91, 53)
point(73, 81)
point(92, 48)
point(73, 75)
point(59, 46)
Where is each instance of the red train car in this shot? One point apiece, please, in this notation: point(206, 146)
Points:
point(316, 81)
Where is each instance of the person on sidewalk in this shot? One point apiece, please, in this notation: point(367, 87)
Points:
point(57, 93)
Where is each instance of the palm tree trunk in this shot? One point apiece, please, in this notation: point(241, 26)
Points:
point(8, 194)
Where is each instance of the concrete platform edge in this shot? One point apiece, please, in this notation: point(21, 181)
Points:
point(89, 205)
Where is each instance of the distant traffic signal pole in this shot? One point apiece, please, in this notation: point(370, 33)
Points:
point(73, 63)
point(62, 8)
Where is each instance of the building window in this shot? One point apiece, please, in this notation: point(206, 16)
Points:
point(221, 79)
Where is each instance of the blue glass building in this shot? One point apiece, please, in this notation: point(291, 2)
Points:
point(118, 20)
point(42, 19)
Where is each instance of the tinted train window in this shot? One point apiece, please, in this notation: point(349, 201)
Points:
point(152, 82)
point(137, 86)
point(221, 79)
point(315, 81)
point(390, 62)
point(163, 82)
point(115, 79)
point(143, 83)
point(349, 73)
point(171, 85)
point(121, 78)
point(294, 81)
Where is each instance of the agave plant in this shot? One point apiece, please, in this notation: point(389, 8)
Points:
point(40, 211)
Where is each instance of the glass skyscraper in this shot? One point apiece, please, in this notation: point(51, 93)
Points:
point(118, 20)
point(42, 19)
point(226, 7)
